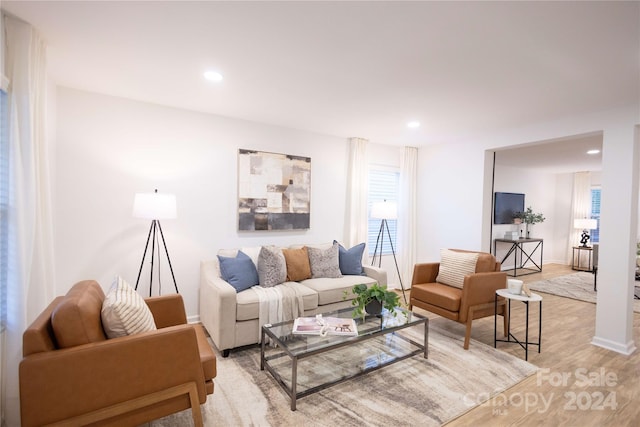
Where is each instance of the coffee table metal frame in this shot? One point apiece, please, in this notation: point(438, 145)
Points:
point(365, 331)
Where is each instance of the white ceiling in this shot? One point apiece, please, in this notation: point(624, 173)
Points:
point(562, 155)
point(352, 68)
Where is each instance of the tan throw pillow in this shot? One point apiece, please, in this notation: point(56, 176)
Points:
point(298, 267)
point(124, 311)
point(454, 266)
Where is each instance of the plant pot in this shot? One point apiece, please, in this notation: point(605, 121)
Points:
point(373, 308)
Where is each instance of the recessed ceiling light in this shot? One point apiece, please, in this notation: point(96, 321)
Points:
point(413, 125)
point(213, 76)
point(593, 151)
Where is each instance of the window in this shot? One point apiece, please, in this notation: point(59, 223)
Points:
point(595, 214)
point(383, 185)
point(4, 206)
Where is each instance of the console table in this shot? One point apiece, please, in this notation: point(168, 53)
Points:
point(522, 255)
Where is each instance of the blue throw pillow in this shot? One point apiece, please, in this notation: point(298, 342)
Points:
point(350, 260)
point(240, 272)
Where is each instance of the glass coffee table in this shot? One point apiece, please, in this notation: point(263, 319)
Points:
point(306, 364)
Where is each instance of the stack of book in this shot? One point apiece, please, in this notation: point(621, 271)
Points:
point(325, 326)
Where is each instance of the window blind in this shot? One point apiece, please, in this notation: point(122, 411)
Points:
point(595, 214)
point(383, 185)
point(4, 206)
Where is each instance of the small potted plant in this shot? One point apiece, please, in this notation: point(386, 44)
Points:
point(371, 300)
point(529, 218)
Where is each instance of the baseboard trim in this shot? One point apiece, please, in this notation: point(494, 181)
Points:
point(193, 319)
point(625, 349)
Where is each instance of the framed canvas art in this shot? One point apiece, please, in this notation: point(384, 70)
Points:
point(274, 191)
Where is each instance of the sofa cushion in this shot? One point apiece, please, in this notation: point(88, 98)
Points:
point(239, 271)
point(272, 267)
point(124, 311)
point(331, 290)
point(76, 319)
point(297, 261)
point(324, 262)
point(350, 260)
point(454, 266)
point(439, 295)
point(248, 305)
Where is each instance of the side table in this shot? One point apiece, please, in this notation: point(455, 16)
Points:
point(576, 258)
point(510, 338)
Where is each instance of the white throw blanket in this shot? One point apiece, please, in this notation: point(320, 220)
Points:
point(278, 304)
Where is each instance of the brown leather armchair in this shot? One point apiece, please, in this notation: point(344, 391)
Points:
point(74, 375)
point(475, 300)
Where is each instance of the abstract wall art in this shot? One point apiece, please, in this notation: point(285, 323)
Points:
point(274, 191)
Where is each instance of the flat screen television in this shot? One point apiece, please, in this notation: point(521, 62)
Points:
point(505, 206)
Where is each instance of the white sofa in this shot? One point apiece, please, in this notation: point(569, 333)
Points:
point(231, 317)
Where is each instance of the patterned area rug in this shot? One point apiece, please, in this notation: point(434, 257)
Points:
point(577, 286)
point(415, 391)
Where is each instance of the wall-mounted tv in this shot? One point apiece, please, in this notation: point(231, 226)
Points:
point(505, 206)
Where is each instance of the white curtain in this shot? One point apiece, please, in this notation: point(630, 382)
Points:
point(580, 207)
point(357, 190)
point(31, 273)
point(407, 214)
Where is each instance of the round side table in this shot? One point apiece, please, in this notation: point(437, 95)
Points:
point(510, 338)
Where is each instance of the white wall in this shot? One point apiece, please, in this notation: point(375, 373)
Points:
point(454, 190)
point(450, 199)
point(455, 203)
point(547, 193)
point(110, 148)
point(540, 194)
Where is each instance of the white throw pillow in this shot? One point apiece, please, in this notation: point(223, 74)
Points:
point(454, 266)
point(124, 311)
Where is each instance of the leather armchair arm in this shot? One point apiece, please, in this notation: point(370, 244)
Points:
point(480, 288)
point(60, 384)
point(425, 273)
point(167, 310)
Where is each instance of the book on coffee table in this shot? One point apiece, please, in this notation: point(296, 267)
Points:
point(325, 326)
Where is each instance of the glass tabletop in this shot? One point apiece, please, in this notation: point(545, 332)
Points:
point(298, 344)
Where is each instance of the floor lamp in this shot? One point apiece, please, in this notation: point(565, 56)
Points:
point(155, 206)
point(384, 211)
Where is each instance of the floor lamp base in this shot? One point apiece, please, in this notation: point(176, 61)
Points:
point(380, 241)
point(153, 237)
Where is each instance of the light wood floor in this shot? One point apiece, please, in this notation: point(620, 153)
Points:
point(600, 387)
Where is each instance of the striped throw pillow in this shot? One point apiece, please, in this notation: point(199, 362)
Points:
point(124, 311)
point(454, 266)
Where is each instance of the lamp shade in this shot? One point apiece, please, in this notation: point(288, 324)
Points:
point(585, 223)
point(384, 210)
point(154, 206)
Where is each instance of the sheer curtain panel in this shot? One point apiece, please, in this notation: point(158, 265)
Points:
point(357, 188)
point(31, 279)
point(407, 214)
point(580, 207)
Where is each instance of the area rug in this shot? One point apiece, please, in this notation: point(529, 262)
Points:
point(415, 391)
point(577, 286)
